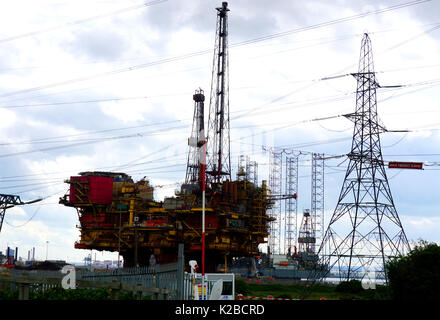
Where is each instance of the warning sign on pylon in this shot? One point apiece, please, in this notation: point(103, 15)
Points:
point(405, 165)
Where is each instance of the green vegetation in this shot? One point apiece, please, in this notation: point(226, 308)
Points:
point(351, 290)
point(416, 276)
point(58, 293)
point(8, 295)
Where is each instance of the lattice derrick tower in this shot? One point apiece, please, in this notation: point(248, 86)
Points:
point(307, 233)
point(247, 169)
point(283, 230)
point(196, 141)
point(317, 199)
point(275, 186)
point(291, 204)
point(365, 203)
point(218, 153)
point(252, 170)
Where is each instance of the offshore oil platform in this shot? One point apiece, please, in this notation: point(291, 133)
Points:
point(120, 215)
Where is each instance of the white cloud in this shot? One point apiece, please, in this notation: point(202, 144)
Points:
point(16, 212)
point(8, 118)
point(126, 112)
point(425, 228)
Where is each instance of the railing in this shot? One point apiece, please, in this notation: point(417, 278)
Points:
point(159, 276)
point(159, 281)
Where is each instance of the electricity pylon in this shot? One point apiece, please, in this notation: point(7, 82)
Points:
point(365, 230)
point(8, 201)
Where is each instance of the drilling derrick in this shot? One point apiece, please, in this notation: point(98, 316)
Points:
point(218, 154)
point(365, 204)
point(196, 141)
point(307, 233)
point(307, 241)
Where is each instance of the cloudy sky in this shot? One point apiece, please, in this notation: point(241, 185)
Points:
point(107, 85)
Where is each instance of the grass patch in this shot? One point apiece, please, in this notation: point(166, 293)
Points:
point(344, 291)
point(58, 293)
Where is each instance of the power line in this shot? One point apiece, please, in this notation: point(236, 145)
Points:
point(105, 74)
point(194, 54)
point(94, 140)
point(72, 102)
point(327, 40)
point(328, 23)
point(300, 104)
point(29, 220)
point(137, 135)
point(77, 22)
point(413, 155)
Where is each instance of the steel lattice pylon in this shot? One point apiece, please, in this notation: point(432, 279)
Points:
point(365, 229)
point(8, 201)
point(218, 153)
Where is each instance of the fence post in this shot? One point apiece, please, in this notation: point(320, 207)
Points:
point(114, 293)
point(180, 272)
point(23, 291)
point(139, 292)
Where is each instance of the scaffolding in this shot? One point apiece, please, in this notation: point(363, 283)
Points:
point(291, 204)
point(252, 170)
point(241, 172)
point(275, 186)
point(317, 198)
point(247, 170)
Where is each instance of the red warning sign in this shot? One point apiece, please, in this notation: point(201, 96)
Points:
point(405, 165)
